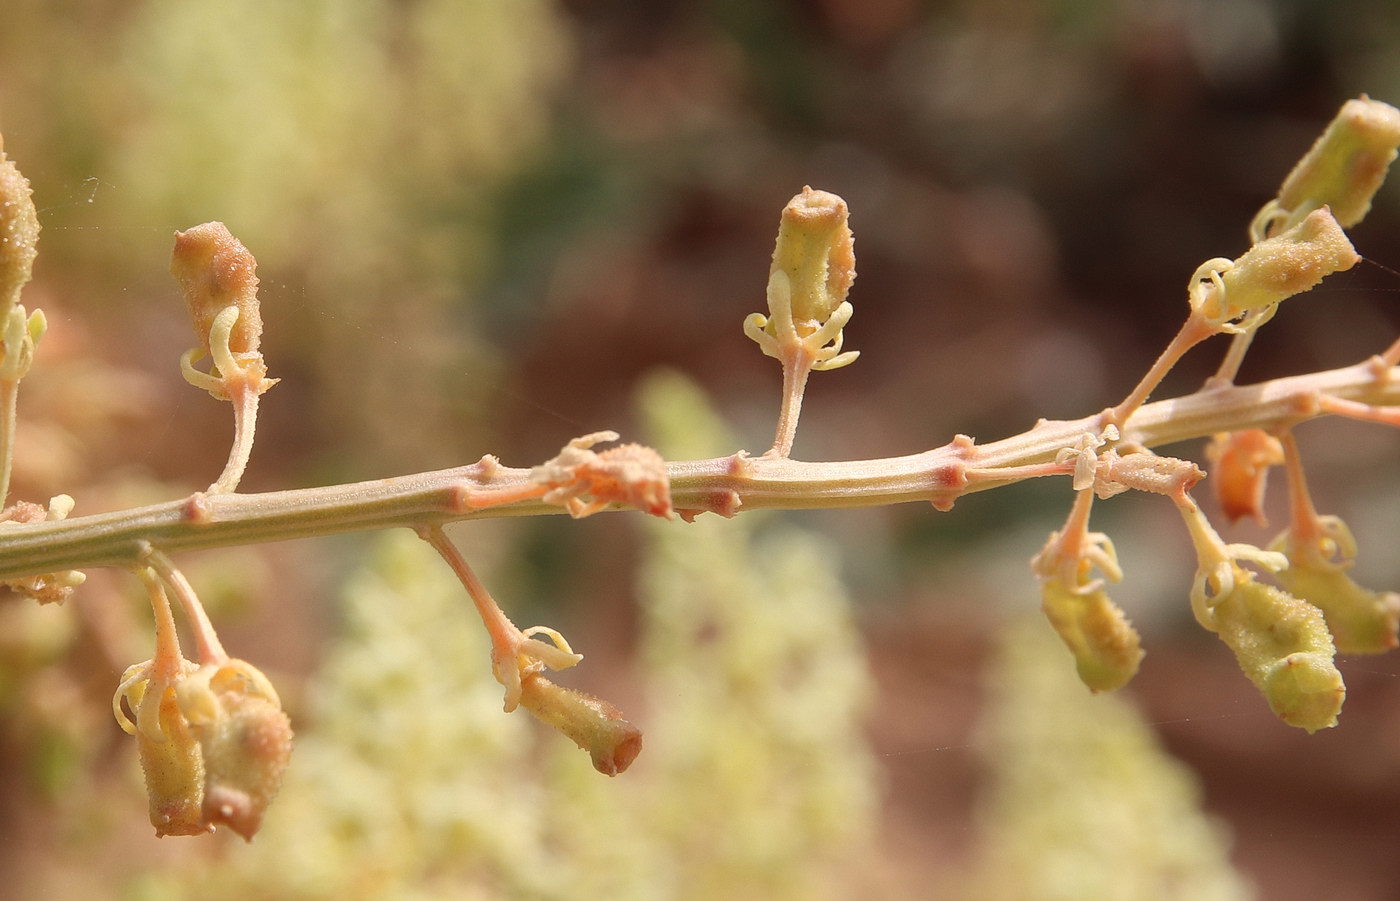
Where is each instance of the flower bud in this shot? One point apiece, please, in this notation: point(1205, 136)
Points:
point(19, 232)
point(815, 251)
point(1345, 167)
point(173, 763)
point(1283, 646)
point(1277, 268)
point(1105, 645)
point(1361, 621)
point(592, 723)
point(215, 271)
point(1242, 460)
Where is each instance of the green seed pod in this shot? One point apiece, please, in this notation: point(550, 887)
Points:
point(1105, 645)
point(815, 251)
point(246, 751)
point(1362, 621)
point(19, 231)
point(1345, 167)
point(1277, 268)
point(1283, 646)
point(594, 725)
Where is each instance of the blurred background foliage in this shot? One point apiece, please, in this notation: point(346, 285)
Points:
point(481, 225)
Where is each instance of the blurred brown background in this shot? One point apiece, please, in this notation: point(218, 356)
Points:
point(480, 224)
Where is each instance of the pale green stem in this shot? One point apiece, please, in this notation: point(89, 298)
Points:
point(434, 498)
point(9, 397)
point(1234, 358)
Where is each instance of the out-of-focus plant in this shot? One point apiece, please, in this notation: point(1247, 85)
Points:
point(757, 685)
point(214, 741)
point(321, 116)
point(1083, 801)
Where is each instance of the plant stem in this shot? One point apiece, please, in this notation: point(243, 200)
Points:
point(797, 366)
point(1234, 357)
point(1193, 331)
point(208, 646)
point(244, 396)
point(9, 397)
point(433, 498)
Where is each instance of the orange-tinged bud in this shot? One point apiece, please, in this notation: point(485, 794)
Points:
point(215, 271)
point(592, 723)
point(246, 751)
point(19, 231)
point(235, 714)
point(1242, 460)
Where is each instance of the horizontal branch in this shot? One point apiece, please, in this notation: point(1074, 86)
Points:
point(722, 484)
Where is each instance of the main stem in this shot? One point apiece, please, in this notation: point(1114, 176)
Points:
point(721, 483)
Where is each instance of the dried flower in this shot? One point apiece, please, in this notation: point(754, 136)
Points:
point(215, 271)
point(584, 481)
point(1242, 460)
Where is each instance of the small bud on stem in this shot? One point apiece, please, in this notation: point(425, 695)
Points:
point(1241, 472)
point(813, 267)
point(19, 331)
point(1106, 647)
point(19, 231)
point(219, 279)
point(1320, 550)
point(1280, 642)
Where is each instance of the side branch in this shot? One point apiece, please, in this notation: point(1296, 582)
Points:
point(724, 484)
